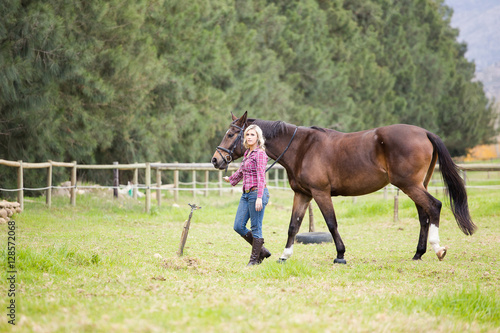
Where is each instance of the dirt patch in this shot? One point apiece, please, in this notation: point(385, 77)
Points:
point(180, 263)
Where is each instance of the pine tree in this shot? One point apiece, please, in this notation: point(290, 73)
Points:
point(103, 81)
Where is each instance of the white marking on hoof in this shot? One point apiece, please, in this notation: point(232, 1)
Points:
point(287, 253)
point(434, 238)
point(434, 241)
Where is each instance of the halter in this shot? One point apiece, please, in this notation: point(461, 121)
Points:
point(229, 157)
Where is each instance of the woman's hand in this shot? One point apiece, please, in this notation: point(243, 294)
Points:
point(226, 179)
point(258, 204)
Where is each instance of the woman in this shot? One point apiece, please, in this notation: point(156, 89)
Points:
point(255, 193)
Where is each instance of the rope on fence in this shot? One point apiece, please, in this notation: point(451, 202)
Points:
point(226, 187)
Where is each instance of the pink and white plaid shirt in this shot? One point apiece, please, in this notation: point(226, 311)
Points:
point(252, 170)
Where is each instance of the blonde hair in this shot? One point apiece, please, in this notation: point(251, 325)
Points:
point(260, 137)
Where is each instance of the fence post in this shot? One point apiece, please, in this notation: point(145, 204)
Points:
point(176, 185)
point(158, 187)
point(220, 183)
point(276, 175)
point(48, 195)
point(73, 185)
point(135, 180)
point(311, 218)
point(396, 206)
point(116, 181)
point(148, 187)
point(20, 185)
point(194, 183)
point(206, 183)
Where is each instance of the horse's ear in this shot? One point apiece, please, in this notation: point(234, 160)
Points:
point(243, 119)
point(234, 117)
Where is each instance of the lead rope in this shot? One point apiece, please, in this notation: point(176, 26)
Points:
point(284, 151)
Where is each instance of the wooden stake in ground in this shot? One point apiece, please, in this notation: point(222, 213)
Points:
point(185, 230)
point(396, 206)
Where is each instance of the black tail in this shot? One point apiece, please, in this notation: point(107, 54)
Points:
point(455, 185)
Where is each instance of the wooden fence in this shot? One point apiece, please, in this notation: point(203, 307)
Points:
point(147, 187)
point(158, 168)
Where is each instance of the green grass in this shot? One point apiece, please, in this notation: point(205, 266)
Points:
point(470, 304)
point(92, 268)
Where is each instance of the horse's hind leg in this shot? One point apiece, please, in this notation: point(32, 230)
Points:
point(429, 210)
point(424, 231)
point(300, 204)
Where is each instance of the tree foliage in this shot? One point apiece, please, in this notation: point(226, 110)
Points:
point(102, 81)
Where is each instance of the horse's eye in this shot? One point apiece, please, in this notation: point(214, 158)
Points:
point(230, 135)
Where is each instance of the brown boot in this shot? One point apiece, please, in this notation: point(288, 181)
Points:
point(264, 253)
point(256, 247)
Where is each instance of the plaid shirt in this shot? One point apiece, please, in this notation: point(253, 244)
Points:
point(252, 170)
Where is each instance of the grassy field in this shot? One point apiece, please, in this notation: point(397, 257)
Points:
point(92, 268)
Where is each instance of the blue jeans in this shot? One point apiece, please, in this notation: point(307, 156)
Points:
point(246, 210)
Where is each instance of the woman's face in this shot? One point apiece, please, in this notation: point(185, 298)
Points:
point(251, 137)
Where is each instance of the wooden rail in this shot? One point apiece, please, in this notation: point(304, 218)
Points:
point(159, 167)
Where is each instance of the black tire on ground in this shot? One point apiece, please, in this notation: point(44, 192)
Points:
point(314, 238)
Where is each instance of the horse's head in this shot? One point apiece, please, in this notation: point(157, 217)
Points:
point(231, 147)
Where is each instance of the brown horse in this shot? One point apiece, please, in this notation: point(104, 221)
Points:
point(322, 163)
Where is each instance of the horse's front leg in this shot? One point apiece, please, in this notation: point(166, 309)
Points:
point(300, 204)
point(324, 202)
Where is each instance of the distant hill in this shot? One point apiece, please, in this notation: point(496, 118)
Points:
point(479, 25)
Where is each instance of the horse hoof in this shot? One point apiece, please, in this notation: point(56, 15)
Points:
point(281, 261)
point(442, 253)
point(339, 261)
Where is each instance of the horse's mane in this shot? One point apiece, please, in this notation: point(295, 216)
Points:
point(318, 128)
point(271, 129)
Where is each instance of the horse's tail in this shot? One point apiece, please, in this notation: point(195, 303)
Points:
point(454, 184)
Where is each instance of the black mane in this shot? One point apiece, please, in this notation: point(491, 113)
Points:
point(271, 129)
point(318, 128)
